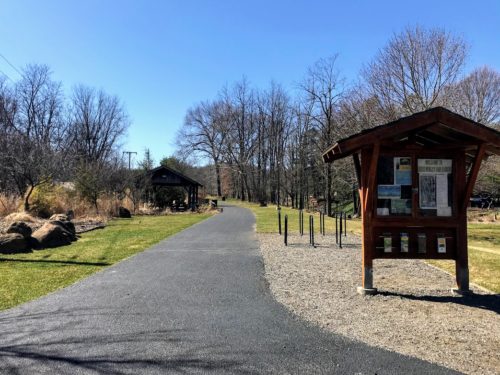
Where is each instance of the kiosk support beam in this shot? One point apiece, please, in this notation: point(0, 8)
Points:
point(462, 261)
point(369, 165)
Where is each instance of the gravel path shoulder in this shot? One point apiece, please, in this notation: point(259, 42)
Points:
point(415, 313)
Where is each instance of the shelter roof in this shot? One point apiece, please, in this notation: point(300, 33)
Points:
point(170, 177)
point(435, 128)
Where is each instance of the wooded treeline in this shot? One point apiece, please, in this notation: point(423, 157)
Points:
point(266, 144)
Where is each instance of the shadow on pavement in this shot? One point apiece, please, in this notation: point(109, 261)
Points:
point(26, 348)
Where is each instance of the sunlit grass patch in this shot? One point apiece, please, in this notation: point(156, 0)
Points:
point(267, 219)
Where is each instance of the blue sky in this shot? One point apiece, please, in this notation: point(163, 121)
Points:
point(161, 57)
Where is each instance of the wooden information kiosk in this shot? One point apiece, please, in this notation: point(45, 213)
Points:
point(415, 178)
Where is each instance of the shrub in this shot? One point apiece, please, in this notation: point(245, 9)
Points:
point(49, 198)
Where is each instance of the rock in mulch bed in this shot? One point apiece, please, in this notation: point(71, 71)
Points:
point(81, 225)
point(21, 232)
point(12, 243)
point(414, 313)
point(54, 234)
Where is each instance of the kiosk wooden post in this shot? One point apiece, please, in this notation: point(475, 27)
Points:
point(414, 187)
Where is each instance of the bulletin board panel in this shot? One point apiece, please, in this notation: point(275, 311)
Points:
point(414, 243)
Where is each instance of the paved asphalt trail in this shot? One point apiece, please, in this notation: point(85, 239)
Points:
point(195, 303)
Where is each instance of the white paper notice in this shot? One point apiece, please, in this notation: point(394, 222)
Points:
point(442, 190)
point(442, 195)
point(384, 211)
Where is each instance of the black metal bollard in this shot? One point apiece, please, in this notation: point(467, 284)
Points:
point(336, 214)
point(323, 225)
point(279, 221)
point(301, 222)
point(340, 231)
point(286, 230)
point(311, 230)
point(345, 224)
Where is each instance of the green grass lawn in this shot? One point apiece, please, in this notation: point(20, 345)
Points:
point(484, 256)
point(267, 219)
point(484, 241)
point(24, 277)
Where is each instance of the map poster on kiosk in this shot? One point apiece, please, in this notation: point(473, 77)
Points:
point(433, 185)
point(402, 171)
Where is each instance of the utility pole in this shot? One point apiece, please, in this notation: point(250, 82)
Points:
point(129, 153)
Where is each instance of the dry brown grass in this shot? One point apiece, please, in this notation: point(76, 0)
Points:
point(8, 204)
point(52, 199)
point(483, 216)
point(59, 200)
point(20, 216)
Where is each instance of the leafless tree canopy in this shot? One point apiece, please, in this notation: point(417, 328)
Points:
point(265, 145)
point(411, 72)
point(204, 132)
point(477, 96)
point(98, 122)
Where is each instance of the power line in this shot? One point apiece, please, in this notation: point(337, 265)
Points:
point(11, 65)
point(5, 74)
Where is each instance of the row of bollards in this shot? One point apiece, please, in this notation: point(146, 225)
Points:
point(340, 226)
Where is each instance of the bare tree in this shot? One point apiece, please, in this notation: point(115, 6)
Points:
point(98, 122)
point(33, 131)
point(324, 88)
point(277, 131)
point(204, 132)
point(477, 96)
point(7, 112)
point(411, 72)
point(240, 145)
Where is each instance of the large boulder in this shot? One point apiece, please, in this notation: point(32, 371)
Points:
point(20, 227)
point(59, 217)
point(65, 222)
point(11, 243)
point(67, 225)
point(124, 213)
point(52, 234)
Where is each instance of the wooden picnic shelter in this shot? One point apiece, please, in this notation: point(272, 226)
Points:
point(165, 176)
point(415, 177)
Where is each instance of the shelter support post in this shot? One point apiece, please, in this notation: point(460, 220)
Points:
point(190, 196)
